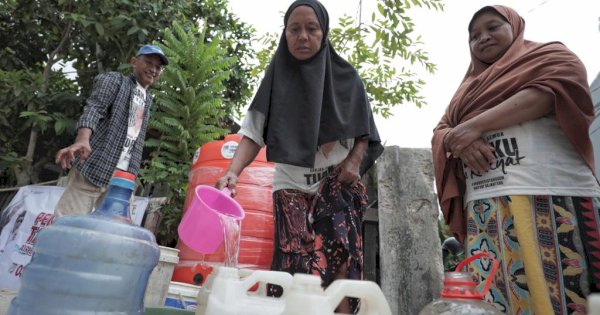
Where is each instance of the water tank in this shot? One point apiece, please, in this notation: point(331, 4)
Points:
point(254, 195)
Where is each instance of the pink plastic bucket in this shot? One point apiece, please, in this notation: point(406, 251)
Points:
point(201, 228)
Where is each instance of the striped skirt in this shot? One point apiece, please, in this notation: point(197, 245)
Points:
point(548, 248)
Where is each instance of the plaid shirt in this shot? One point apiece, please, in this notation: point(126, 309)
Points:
point(106, 113)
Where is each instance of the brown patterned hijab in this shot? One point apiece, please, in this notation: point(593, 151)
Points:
point(550, 67)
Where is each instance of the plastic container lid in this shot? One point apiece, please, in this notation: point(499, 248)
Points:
point(123, 179)
point(123, 174)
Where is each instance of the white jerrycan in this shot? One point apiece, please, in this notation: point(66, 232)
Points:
point(593, 304)
point(308, 297)
point(225, 292)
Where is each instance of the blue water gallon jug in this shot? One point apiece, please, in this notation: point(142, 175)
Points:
point(91, 264)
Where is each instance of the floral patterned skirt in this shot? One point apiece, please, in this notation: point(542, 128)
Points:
point(319, 234)
point(548, 248)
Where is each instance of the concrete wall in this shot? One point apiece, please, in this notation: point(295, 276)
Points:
point(411, 267)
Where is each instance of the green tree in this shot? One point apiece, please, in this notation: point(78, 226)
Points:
point(108, 32)
point(23, 23)
point(31, 32)
point(187, 113)
point(379, 49)
point(96, 36)
point(45, 112)
point(237, 41)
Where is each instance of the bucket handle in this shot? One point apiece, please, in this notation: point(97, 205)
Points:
point(226, 191)
point(488, 282)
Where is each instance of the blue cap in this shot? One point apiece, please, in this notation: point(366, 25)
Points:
point(153, 50)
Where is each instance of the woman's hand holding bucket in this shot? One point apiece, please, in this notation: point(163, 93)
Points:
point(229, 180)
point(244, 155)
point(201, 228)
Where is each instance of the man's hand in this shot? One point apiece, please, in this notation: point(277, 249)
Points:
point(66, 156)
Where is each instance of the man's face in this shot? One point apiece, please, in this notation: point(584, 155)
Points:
point(147, 69)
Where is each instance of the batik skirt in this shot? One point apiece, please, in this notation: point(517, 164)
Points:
point(321, 233)
point(548, 248)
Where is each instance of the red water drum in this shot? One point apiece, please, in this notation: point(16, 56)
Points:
point(254, 189)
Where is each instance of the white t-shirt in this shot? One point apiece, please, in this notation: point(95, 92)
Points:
point(533, 158)
point(136, 118)
point(295, 177)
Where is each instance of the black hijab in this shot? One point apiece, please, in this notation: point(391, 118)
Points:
point(312, 102)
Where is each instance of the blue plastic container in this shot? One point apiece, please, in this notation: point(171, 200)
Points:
point(92, 264)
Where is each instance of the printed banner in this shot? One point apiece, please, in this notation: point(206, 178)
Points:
point(29, 212)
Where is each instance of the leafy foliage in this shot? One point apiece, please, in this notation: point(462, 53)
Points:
point(21, 109)
point(30, 30)
point(376, 49)
point(107, 33)
point(236, 38)
point(91, 37)
point(110, 31)
point(187, 113)
point(34, 40)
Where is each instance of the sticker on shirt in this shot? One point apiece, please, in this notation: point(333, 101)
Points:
point(506, 151)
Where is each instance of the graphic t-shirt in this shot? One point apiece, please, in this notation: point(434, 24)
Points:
point(533, 158)
point(287, 176)
point(136, 118)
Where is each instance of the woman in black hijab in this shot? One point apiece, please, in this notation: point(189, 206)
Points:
point(312, 113)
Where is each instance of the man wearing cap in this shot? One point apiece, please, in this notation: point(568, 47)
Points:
point(110, 132)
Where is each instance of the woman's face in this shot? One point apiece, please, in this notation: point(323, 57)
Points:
point(490, 37)
point(303, 33)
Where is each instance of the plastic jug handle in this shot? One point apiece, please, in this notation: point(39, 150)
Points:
point(182, 300)
point(488, 282)
point(280, 278)
point(372, 299)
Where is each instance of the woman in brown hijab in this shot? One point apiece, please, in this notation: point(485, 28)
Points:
point(513, 168)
